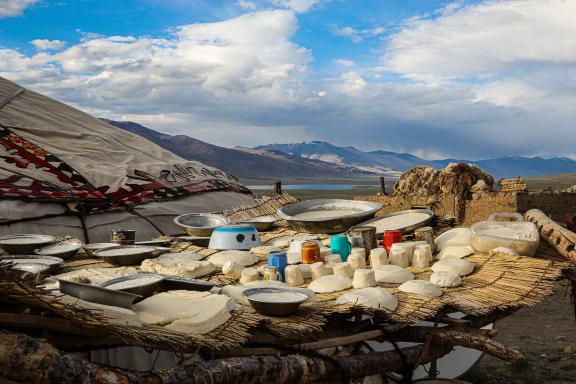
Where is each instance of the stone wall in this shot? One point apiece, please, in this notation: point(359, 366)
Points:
point(481, 205)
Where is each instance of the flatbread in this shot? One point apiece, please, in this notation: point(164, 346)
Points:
point(421, 288)
point(178, 267)
point(445, 279)
point(373, 297)
point(190, 312)
point(392, 274)
point(244, 258)
point(330, 283)
point(457, 266)
point(455, 252)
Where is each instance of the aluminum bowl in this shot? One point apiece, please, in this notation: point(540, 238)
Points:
point(139, 254)
point(336, 224)
point(159, 243)
point(24, 244)
point(275, 308)
point(200, 224)
point(171, 283)
point(195, 240)
point(93, 247)
point(96, 294)
point(144, 290)
point(262, 223)
point(64, 249)
point(33, 266)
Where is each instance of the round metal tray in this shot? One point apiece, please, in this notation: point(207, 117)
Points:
point(407, 229)
point(144, 290)
point(96, 294)
point(145, 252)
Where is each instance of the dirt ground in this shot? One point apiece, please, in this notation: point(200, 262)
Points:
point(546, 335)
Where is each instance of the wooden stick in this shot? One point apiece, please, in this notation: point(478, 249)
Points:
point(29, 360)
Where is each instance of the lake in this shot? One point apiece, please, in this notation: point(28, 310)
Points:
point(310, 187)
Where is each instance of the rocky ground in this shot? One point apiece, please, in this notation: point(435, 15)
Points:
point(546, 334)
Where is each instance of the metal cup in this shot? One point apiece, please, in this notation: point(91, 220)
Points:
point(425, 234)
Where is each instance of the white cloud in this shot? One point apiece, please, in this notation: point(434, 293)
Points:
point(485, 40)
point(345, 62)
point(357, 35)
point(296, 5)
point(243, 81)
point(11, 8)
point(45, 44)
point(245, 4)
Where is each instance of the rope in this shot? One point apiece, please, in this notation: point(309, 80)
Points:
point(11, 97)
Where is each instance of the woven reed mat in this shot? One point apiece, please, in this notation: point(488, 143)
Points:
point(232, 334)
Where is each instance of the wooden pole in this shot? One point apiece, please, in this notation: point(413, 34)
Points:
point(278, 187)
point(560, 238)
point(30, 360)
point(382, 185)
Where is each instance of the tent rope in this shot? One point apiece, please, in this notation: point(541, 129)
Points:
point(11, 97)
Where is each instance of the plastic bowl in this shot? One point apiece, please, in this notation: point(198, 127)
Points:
point(235, 237)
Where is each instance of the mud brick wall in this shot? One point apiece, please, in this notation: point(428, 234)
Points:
point(555, 204)
point(443, 205)
point(481, 206)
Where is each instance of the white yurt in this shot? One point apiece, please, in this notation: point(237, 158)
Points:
point(64, 172)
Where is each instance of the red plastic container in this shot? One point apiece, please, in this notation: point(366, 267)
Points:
point(391, 237)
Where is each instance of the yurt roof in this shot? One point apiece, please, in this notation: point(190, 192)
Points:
point(52, 151)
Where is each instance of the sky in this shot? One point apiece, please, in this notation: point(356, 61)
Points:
point(436, 78)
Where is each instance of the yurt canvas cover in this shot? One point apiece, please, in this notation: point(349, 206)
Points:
point(63, 172)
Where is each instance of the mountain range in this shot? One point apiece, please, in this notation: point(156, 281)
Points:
point(322, 160)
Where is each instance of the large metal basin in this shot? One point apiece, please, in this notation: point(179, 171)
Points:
point(336, 223)
point(200, 224)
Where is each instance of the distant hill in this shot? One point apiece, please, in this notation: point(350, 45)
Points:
point(322, 160)
point(392, 162)
point(243, 162)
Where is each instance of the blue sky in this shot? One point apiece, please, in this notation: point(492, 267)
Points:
point(471, 79)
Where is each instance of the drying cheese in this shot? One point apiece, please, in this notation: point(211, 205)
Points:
point(244, 258)
point(445, 279)
point(399, 256)
point(455, 252)
point(183, 255)
point(189, 312)
point(263, 250)
point(378, 298)
point(357, 259)
point(330, 283)
point(454, 237)
point(293, 275)
point(232, 269)
point(318, 270)
point(248, 275)
point(343, 269)
point(113, 314)
point(420, 260)
point(378, 257)
point(363, 278)
point(333, 259)
point(392, 274)
point(94, 276)
point(457, 266)
point(306, 273)
point(420, 287)
point(503, 250)
point(178, 267)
